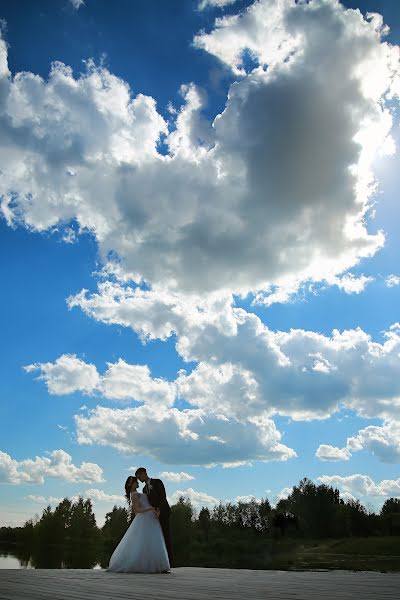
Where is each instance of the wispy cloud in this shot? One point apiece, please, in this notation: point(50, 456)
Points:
point(176, 477)
point(392, 280)
point(214, 3)
point(76, 4)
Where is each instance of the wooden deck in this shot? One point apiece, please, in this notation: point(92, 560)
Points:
point(192, 583)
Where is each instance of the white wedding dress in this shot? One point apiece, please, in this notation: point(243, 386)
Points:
point(142, 549)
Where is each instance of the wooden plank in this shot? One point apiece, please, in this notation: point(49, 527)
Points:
point(189, 583)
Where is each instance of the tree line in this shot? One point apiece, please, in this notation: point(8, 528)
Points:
point(227, 534)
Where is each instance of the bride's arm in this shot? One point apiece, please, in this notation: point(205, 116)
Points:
point(136, 504)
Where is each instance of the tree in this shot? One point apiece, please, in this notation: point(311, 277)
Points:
point(62, 519)
point(83, 526)
point(390, 516)
point(224, 514)
point(181, 529)
point(115, 526)
point(358, 518)
point(265, 511)
point(249, 514)
point(315, 506)
point(390, 506)
point(204, 521)
point(45, 531)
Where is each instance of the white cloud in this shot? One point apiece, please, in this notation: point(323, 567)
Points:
point(362, 485)
point(220, 388)
point(347, 497)
point(246, 368)
point(331, 453)
point(76, 4)
point(156, 313)
point(57, 463)
point(235, 464)
point(198, 499)
point(246, 499)
point(206, 217)
point(251, 370)
point(204, 222)
point(212, 3)
point(67, 375)
point(381, 440)
point(176, 477)
point(284, 493)
point(351, 284)
point(43, 499)
point(94, 494)
point(392, 280)
point(121, 381)
point(191, 437)
point(102, 496)
point(292, 288)
point(126, 382)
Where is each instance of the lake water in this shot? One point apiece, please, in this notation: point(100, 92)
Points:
point(50, 558)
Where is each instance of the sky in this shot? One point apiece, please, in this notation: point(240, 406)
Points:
point(199, 230)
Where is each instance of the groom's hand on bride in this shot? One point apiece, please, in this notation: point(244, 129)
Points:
point(157, 511)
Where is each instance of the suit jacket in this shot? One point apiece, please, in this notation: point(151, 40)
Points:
point(158, 497)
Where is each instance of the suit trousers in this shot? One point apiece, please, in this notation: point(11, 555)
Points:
point(165, 526)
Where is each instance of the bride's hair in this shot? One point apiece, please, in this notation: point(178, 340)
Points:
point(128, 485)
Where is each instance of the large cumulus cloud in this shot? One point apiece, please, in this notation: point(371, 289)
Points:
point(244, 375)
point(276, 188)
point(173, 436)
point(245, 367)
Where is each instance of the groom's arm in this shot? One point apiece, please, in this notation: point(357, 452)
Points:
point(162, 495)
point(161, 491)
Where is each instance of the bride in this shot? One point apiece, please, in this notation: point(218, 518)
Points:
point(142, 549)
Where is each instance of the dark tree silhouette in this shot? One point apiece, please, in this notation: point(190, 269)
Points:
point(390, 515)
point(83, 528)
point(115, 526)
point(204, 520)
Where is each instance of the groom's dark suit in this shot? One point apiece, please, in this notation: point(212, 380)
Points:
point(158, 498)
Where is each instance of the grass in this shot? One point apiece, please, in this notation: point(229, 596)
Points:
point(366, 554)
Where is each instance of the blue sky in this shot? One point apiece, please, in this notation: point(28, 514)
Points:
point(176, 260)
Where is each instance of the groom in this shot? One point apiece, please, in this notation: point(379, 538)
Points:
point(155, 491)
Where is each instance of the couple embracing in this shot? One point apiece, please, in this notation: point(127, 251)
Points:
point(146, 545)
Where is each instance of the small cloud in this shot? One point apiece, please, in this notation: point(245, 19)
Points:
point(197, 499)
point(76, 4)
point(68, 374)
point(69, 235)
point(359, 485)
point(332, 453)
point(392, 280)
point(101, 496)
point(176, 477)
point(285, 493)
point(247, 499)
point(351, 284)
point(44, 499)
point(214, 3)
